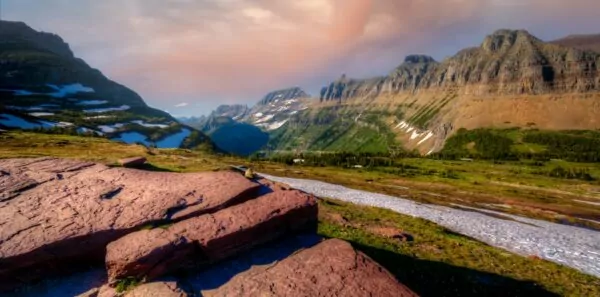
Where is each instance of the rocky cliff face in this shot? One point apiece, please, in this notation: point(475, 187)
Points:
point(512, 79)
point(507, 62)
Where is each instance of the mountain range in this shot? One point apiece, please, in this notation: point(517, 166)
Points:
point(43, 85)
point(512, 80)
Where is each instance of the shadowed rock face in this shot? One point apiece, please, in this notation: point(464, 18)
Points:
point(57, 214)
point(332, 268)
point(148, 254)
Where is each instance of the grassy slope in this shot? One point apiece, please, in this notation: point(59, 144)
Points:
point(437, 263)
point(329, 129)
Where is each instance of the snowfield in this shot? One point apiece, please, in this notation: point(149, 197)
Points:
point(575, 247)
point(101, 110)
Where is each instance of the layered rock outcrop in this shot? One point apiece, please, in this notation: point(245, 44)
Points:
point(210, 238)
point(507, 62)
point(58, 214)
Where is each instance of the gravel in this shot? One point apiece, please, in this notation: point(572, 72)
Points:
point(575, 247)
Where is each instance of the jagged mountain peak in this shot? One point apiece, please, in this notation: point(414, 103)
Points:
point(284, 94)
point(504, 39)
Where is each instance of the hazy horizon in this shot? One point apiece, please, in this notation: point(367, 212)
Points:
point(188, 57)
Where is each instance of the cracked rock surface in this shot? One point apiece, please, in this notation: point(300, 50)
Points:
point(149, 254)
point(58, 213)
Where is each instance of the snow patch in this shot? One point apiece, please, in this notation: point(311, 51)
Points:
point(358, 117)
point(429, 135)
point(142, 123)
point(41, 114)
point(265, 119)
point(276, 125)
point(64, 124)
point(13, 121)
point(62, 91)
point(171, 141)
point(99, 117)
point(415, 135)
point(258, 114)
point(100, 110)
point(28, 108)
point(92, 102)
point(110, 128)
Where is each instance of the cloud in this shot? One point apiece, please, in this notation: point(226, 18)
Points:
point(214, 51)
point(182, 104)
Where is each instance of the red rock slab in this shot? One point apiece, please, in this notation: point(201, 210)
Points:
point(148, 254)
point(332, 268)
point(57, 214)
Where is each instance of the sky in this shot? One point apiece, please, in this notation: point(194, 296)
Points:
point(189, 56)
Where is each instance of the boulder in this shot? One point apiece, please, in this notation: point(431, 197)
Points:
point(58, 214)
point(331, 268)
point(132, 162)
point(198, 241)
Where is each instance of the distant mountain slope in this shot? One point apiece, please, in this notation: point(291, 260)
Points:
point(276, 108)
point(512, 79)
point(43, 85)
point(584, 42)
point(241, 130)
